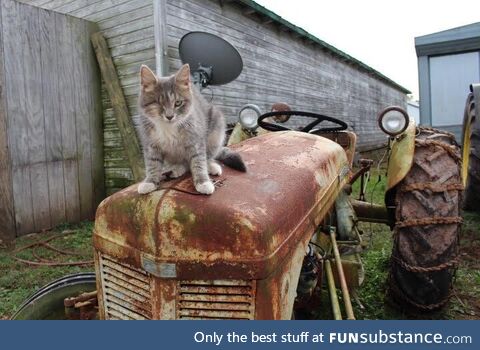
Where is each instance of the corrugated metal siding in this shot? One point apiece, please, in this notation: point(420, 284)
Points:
point(278, 66)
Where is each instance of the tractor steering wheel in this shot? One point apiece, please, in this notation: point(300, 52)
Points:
point(307, 128)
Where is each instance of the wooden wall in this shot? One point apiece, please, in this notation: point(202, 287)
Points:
point(278, 66)
point(128, 28)
point(51, 110)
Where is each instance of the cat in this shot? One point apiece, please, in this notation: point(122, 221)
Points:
point(180, 131)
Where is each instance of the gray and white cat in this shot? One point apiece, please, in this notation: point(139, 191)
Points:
point(180, 131)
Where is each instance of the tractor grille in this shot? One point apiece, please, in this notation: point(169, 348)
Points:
point(219, 299)
point(126, 291)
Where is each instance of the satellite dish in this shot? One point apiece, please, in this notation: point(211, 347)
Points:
point(212, 60)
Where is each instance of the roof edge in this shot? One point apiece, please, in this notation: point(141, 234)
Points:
point(300, 31)
point(466, 31)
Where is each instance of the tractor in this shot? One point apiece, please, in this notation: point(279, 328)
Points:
point(269, 241)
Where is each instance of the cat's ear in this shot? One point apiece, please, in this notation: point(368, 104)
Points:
point(182, 77)
point(147, 78)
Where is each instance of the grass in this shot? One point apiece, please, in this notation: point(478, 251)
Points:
point(19, 280)
point(465, 303)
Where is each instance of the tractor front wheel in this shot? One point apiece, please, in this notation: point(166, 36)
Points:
point(471, 149)
point(427, 224)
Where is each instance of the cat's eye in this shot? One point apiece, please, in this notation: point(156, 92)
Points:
point(178, 103)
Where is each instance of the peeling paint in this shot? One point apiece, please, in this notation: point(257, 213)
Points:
point(252, 228)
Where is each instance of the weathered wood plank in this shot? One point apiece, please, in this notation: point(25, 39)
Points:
point(114, 89)
point(53, 123)
point(125, 19)
point(133, 68)
point(68, 116)
point(13, 39)
point(130, 37)
point(142, 44)
point(125, 28)
point(96, 119)
point(35, 118)
point(50, 5)
point(7, 220)
point(68, 6)
point(136, 57)
point(107, 9)
point(39, 2)
point(82, 125)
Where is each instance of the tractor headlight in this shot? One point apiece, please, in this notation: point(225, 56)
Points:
point(248, 116)
point(393, 120)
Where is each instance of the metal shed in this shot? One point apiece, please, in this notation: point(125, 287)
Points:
point(448, 62)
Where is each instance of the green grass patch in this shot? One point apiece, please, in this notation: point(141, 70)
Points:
point(19, 280)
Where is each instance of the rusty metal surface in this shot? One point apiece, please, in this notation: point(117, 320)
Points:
point(125, 290)
point(276, 294)
point(365, 165)
point(216, 299)
point(370, 212)
point(245, 229)
point(401, 156)
point(280, 107)
point(82, 307)
point(346, 139)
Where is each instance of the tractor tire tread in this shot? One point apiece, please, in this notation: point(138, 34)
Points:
point(425, 249)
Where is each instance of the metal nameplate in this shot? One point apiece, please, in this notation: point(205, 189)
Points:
point(158, 269)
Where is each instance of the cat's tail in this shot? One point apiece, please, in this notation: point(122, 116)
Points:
point(231, 159)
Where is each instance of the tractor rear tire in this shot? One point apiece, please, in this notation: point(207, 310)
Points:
point(472, 155)
point(427, 224)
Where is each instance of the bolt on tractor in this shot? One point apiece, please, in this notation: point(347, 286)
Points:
point(268, 242)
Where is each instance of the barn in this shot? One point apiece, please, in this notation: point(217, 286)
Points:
point(282, 63)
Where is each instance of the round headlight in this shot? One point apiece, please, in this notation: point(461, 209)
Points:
point(393, 120)
point(248, 116)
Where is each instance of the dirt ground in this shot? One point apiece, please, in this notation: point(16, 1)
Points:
point(467, 292)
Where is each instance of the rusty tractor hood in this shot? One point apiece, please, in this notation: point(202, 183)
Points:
point(246, 227)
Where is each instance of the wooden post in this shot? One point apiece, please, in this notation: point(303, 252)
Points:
point(122, 116)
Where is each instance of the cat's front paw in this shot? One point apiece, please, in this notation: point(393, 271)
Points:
point(214, 169)
point(146, 187)
point(205, 188)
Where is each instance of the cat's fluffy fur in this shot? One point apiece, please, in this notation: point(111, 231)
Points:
point(180, 131)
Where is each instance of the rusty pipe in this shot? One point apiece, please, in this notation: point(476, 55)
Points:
point(366, 164)
point(341, 276)
point(332, 291)
point(370, 212)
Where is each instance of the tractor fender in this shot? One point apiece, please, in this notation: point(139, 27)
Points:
point(401, 156)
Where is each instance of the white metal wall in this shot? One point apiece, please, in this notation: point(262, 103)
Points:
point(450, 77)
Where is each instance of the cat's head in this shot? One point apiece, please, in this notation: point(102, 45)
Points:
point(165, 99)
